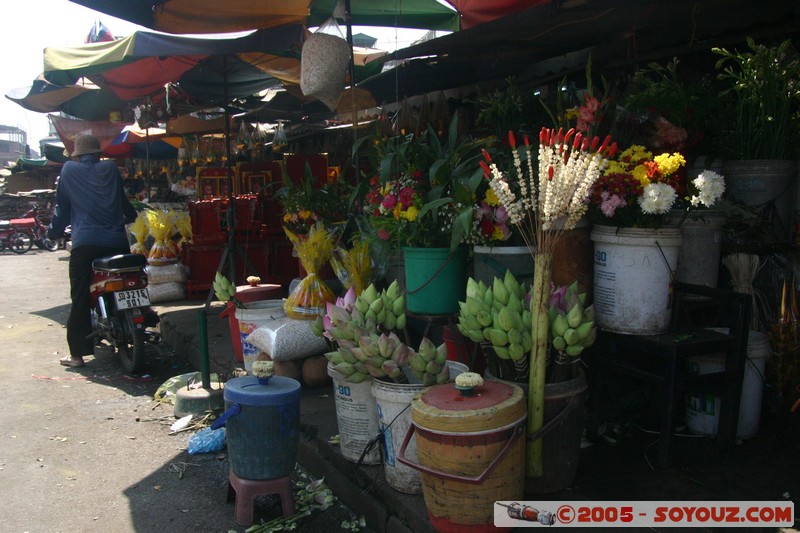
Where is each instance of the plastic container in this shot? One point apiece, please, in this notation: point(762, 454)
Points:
point(491, 262)
point(435, 279)
point(254, 315)
point(262, 421)
point(356, 417)
point(633, 271)
point(246, 294)
point(702, 409)
point(394, 419)
point(471, 452)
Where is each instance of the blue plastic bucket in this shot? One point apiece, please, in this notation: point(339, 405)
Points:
point(262, 421)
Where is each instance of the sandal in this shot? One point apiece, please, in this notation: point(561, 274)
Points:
point(72, 362)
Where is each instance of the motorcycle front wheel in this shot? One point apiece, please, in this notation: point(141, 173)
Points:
point(47, 244)
point(131, 353)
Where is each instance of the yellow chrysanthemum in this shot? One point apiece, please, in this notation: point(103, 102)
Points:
point(640, 173)
point(668, 164)
point(491, 198)
point(305, 214)
point(411, 214)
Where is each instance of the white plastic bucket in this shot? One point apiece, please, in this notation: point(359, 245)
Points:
point(702, 409)
point(633, 271)
point(356, 416)
point(394, 418)
point(252, 316)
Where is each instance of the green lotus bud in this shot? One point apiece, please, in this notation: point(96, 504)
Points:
point(474, 306)
point(376, 306)
point(471, 322)
point(500, 292)
point(370, 294)
point(488, 297)
point(360, 367)
point(441, 354)
point(511, 283)
point(472, 287)
point(345, 369)
point(389, 321)
point(361, 305)
point(559, 343)
point(575, 316)
point(427, 350)
point(380, 318)
point(515, 305)
point(574, 350)
point(514, 336)
point(347, 354)
point(584, 329)
point(357, 377)
point(516, 352)
point(502, 352)
point(475, 335)
point(527, 341)
point(433, 367)
point(399, 305)
point(400, 322)
point(419, 374)
point(506, 319)
point(389, 367)
point(393, 291)
point(588, 314)
point(334, 358)
point(428, 379)
point(571, 336)
point(498, 337)
point(317, 327)
point(560, 325)
point(484, 318)
point(418, 363)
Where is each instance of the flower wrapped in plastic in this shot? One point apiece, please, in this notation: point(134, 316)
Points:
point(140, 230)
point(183, 225)
point(162, 228)
point(309, 298)
point(353, 267)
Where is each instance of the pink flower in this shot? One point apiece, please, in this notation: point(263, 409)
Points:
point(383, 235)
point(501, 215)
point(389, 202)
point(610, 202)
point(592, 103)
point(407, 196)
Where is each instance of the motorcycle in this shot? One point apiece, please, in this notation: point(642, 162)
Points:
point(38, 227)
point(17, 239)
point(121, 312)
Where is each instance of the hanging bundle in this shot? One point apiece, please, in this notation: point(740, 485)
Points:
point(309, 298)
point(324, 61)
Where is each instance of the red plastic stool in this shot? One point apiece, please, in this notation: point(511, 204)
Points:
point(247, 489)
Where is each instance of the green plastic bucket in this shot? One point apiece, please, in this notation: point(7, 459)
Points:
point(435, 280)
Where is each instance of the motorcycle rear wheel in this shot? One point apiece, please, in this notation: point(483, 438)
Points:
point(20, 242)
point(47, 244)
point(131, 354)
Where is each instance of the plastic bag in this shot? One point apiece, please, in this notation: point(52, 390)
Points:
point(161, 227)
point(157, 274)
point(324, 61)
point(167, 391)
point(287, 339)
point(166, 292)
point(140, 231)
point(309, 297)
point(353, 267)
point(207, 440)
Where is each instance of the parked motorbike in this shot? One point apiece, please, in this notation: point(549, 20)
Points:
point(121, 312)
point(38, 227)
point(16, 239)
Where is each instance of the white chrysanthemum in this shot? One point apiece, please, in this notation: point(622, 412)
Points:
point(469, 379)
point(710, 186)
point(263, 369)
point(657, 199)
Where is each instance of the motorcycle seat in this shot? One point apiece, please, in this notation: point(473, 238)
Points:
point(120, 262)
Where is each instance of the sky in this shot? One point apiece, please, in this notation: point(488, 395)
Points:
point(32, 25)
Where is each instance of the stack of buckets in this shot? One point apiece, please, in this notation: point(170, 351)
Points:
point(262, 421)
point(702, 409)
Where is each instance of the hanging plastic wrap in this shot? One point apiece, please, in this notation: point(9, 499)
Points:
point(140, 232)
point(324, 61)
point(161, 227)
point(308, 300)
point(353, 267)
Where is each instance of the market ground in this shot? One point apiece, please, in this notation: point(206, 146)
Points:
point(90, 450)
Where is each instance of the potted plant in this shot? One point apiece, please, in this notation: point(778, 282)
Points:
point(762, 134)
point(636, 248)
point(421, 202)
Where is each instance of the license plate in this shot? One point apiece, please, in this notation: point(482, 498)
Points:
point(132, 298)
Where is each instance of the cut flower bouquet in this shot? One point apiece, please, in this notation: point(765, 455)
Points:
point(639, 190)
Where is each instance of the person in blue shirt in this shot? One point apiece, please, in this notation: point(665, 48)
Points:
point(91, 198)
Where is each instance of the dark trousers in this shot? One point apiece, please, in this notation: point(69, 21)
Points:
point(79, 323)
